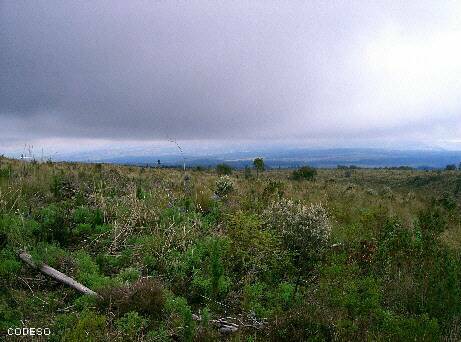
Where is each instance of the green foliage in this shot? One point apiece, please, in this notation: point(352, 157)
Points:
point(181, 313)
point(204, 263)
point(9, 264)
point(158, 335)
point(88, 326)
point(305, 230)
point(17, 232)
point(46, 253)
point(258, 163)
point(53, 225)
point(255, 250)
point(62, 187)
point(362, 310)
point(273, 189)
point(223, 169)
point(86, 215)
point(131, 326)
point(5, 172)
point(129, 275)
point(383, 263)
point(224, 186)
point(305, 172)
point(88, 271)
point(88, 222)
point(10, 316)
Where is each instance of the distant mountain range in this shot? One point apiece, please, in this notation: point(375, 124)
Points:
point(289, 158)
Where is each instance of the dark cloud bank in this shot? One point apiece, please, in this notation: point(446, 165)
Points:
point(210, 70)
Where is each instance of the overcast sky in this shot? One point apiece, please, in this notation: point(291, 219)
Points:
point(335, 72)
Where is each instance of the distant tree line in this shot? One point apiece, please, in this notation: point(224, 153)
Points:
point(451, 167)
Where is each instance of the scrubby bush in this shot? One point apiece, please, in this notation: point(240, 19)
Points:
point(50, 254)
point(305, 172)
point(62, 187)
point(181, 314)
point(88, 271)
point(259, 165)
point(5, 172)
point(86, 215)
point(304, 229)
point(9, 264)
point(131, 326)
point(223, 169)
point(273, 189)
point(17, 232)
point(255, 251)
point(88, 326)
point(203, 267)
point(145, 296)
point(224, 186)
point(53, 225)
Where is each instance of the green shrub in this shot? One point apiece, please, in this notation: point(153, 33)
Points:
point(223, 169)
point(264, 300)
point(88, 272)
point(204, 263)
point(273, 189)
point(224, 186)
point(85, 302)
point(62, 187)
point(9, 264)
point(305, 172)
point(10, 315)
point(17, 232)
point(5, 172)
point(259, 165)
point(255, 251)
point(247, 172)
point(181, 313)
point(305, 230)
point(50, 254)
point(131, 326)
point(302, 323)
point(88, 326)
point(53, 225)
point(85, 215)
point(421, 275)
point(129, 275)
point(160, 334)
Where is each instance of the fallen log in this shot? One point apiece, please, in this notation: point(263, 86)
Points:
point(55, 274)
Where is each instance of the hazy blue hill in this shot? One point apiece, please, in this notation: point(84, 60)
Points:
point(287, 158)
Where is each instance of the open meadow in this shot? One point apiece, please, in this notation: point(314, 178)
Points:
point(350, 254)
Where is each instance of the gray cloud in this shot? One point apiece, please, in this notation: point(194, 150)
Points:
point(224, 70)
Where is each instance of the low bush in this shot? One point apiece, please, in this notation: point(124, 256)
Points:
point(223, 169)
point(145, 296)
point(304, 229)
point(224, 186)
point(305, 172)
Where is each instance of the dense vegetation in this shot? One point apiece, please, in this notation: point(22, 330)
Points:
point(350, 254)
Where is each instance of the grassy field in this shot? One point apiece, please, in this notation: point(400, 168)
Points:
point(350, 255)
